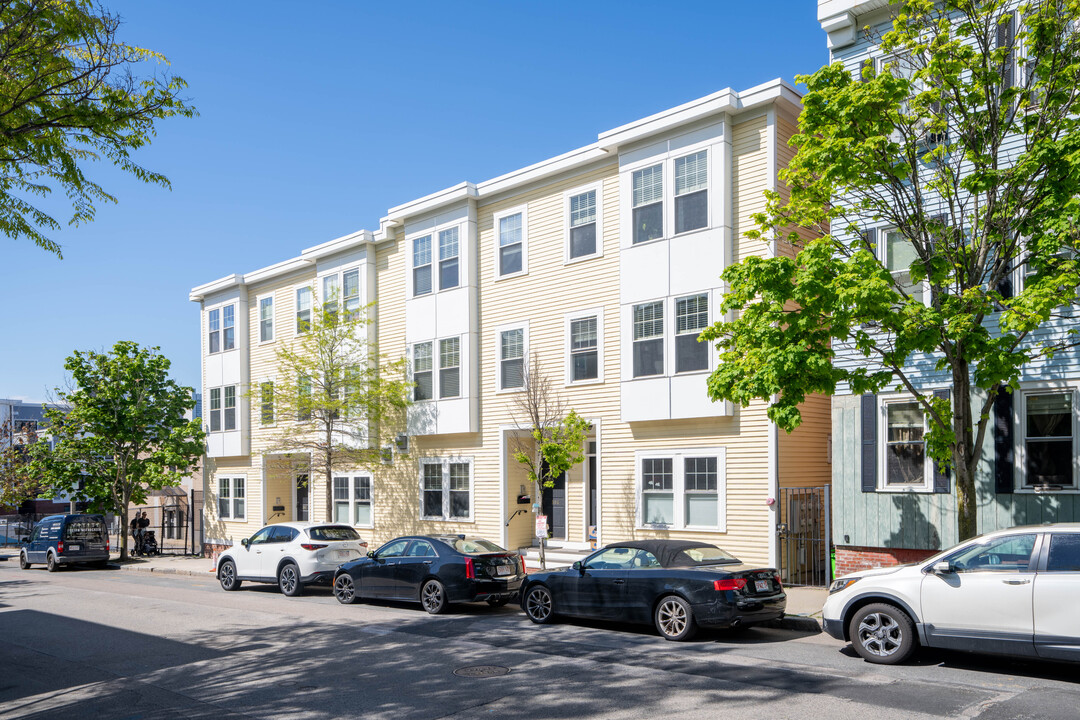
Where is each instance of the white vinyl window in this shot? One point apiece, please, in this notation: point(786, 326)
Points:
point(1048, 427)
point(692, 192)
point(231, 497)
point(423, 372)
point(511, 244)
point(213, 330)
point(903, 429)
point(511, 358)
point(449, 253)
point(648, 323)
point(223, 408)
point(266, 402)
point(350, 294)
point(215, 409)
point(352, 500)
point(584, 348)
point(230, 407)
point(303, 310)
point(682, 489)
point(266, 319)
point(446, 489)
point(422, 265)
point(450, 368)
point(228, 327)
point(582, 222)
point(648, 203)
point(691, 317)
point(899, 255)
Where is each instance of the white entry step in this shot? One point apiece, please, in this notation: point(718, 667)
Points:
point(556, 557)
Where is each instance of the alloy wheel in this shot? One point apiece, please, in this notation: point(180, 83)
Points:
point(344, 589)
point(538, 604)
point(287, 579)
point(432, 596)
point(227, 575)
point(880, 634)
point(671, 617)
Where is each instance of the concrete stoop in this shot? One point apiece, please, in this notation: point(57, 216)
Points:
point(556, 557)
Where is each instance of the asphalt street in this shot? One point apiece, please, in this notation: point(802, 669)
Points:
point(113, 644)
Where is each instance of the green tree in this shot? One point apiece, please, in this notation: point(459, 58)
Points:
point(17, 482)
point(72, 93)
point(335, 400)
point(556, 434)
point(123, 432)
point(966, 143)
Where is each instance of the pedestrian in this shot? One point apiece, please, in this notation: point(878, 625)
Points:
point(136, 534)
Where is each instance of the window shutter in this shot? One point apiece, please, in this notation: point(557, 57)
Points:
point(1003, 443)
point(1005, 286)
point(1006, 32)
point(941, 473)
point(869, 442)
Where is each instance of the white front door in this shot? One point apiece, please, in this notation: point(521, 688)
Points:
point(1057, 625)
point(985, 602)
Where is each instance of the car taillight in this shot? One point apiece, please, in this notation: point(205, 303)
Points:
point(60, 546)
point(776, 577)
point(729, 584)
point(312, 546)
point(107, 548)
point(524, 570)
point(470, 569)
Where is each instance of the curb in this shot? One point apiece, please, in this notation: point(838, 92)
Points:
point(165, 570)
point(800, 623)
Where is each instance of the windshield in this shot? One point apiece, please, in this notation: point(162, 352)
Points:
point(333, 532)
point(473, 546)
point(703, 555)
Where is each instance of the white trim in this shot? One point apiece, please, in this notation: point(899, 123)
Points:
point(273, 403)
point(233, 479)
point(1020, 416)
point(568, 364)
point(351, 477)
point(258, 318)
point(524, 211)
point(678, 489)
point(882, 251)
point(445, 461)
point(772, 511)
point(296, 306)
point(598, 188)
point(883, 486)
point(436, 368)
point(219, 307)
point(671, 335)
point(499, 330)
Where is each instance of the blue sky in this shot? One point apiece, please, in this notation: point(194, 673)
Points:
point(315, 118)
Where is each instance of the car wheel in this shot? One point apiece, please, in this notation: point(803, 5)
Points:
point(675, 618)
point(345, 589)
point(288, 580)
point(497, 601)
point(882, 634)
point(50, 563)
point(22, 562)
point(227, 576)
point(433, 597)
point(538, 605)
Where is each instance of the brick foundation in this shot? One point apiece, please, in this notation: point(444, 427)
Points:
point(209, 549)
point(853, 559)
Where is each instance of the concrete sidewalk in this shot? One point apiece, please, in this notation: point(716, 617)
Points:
point(803, 603)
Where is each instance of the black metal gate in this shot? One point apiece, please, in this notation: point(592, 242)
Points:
point(804, 536)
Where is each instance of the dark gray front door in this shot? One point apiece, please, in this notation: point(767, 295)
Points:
point(302, 495)
point(554, 505)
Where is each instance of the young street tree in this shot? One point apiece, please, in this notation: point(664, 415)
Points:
point(556, 435)
point(123, 432)
point(17, 482)
point(334, 401)
point(72, 93)
point(967, 144)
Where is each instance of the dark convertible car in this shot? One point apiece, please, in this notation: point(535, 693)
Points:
point(434, 570)
point(675, 584)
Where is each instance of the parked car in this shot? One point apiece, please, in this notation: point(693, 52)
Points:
point(1007, 592)
point(435, 571)
point(677, 585)
point(60, 540)
point(292, 554)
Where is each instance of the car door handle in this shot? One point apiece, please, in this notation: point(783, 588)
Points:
point(619, 582)
point(427, 562)
point(1016, 582)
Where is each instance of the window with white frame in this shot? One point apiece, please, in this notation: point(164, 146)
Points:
point(510, 230)
point(446, 489)
point(350, 294)
point(582, 221)
point(691, 192)
point(331, 294)
point(213, 331)
point(682, 489)
point(899, 255)
point(691, 317)
point(584, 348)
point(223, 408)
point(303, 310)
point(449, 252)
point(215, 409)
point(450, 368)
point(1049, 432)
point(648, 322)
point(303, 398)
point(423, 372)
point(230, 407)
point(231, 496)
point(266, 402)
point(904, 427)
point(228, 327)
point(422, 265)
point(512, 358)
point(352, 499)
point(648, 203)
point(266, 319)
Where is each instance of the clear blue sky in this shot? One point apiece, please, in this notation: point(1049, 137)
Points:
point(315, 118)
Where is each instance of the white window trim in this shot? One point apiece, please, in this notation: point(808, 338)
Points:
point(296, 306)
point(262, 382)
point(568, 361)
point(499, 330)
point(927, 485)
point(220, 307)
point(524, 210)
point(236, 407)
point(598, 188)
point(666, 308)
point(436, 261)
point(1020, 436)
point(670, 195)
point(436, 360)
point(882, 250)
point(667, 159)
point(679, 488)
point(352, 496)
point(234, 481)
point(410, 274)
point(445, 461)
point(463, 252)
point(412, 369)
point(273, 318)
point(670, 334)
point(339, 273)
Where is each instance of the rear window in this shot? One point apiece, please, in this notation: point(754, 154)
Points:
point(333, 532)
point(473, 546)
point(88, 530)
point(704, 555)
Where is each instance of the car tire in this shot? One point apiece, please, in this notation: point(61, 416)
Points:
point(288, 580)
point(674, 618)
point(882, 634)
point(22, 561)
point(227, 576)
point(433, 596)
point(538, 604)
point(496, 602)
point(345, 589)
point(51, 564)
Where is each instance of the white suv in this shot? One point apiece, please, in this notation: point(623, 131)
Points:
point(291, 554)
point(1010, 592)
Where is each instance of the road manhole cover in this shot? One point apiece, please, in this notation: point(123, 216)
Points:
point(482, 671)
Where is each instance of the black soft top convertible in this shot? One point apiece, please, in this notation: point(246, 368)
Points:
point(680, 553)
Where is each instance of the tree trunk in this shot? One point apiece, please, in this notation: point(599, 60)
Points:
point(542, 539)
point(123, 532)
point(964, 454)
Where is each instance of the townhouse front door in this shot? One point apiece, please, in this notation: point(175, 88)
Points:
point(302, 496)
point(553, 502)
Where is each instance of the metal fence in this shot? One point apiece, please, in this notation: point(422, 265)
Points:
point(804, 536)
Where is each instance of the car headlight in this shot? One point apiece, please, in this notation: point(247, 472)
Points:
point(842, 584)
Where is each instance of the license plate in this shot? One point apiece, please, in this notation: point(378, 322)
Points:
point(342, 553)
point(504, 570)
point(74, 547)
point(761, 585)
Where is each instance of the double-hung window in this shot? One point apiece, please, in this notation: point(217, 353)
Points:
point(682, 489)
point(213, 329)
point(512, 358)
point(446, 489)
point(266, 319)
point(905, 464)
point(648, 203)
point(450, 368)
point(899, 256)
point(422, 372)
point(1049, 439)
point(231, 492)
point(582, 224)
point(228, 327)
point(511, 237)
point(350, 294)
point(700, 490)
point(303, 310)
point(691, 192)
point(691, 317)
point(422, 265)
point(658, 491)
point(584, 363)
point(649, 339)
point(331, 294)
point(449, 251)
point(230, 407)
point(303, 398)
point(352, 500)
point(266, 402)
point(215, 409)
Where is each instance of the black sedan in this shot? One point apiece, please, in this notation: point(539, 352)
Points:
point(434, 570)
point(675, 584)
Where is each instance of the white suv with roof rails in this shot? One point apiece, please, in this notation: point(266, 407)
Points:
point(292, 554)
point(1009, 592)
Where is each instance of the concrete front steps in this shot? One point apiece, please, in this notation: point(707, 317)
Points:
point(557, 557)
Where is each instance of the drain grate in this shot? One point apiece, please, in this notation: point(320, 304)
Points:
point(481, 671)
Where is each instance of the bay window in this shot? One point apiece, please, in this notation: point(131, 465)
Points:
point(691, 317)
point(213, 329)
point(450, 368)
point(648, 322)
point(422, 372)
point(350, 294)
point(691, 192)
point(449, 251)
point(648, 203)
point(422, 265)
point(228, 329)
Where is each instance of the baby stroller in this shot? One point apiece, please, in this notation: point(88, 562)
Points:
point(149, 544)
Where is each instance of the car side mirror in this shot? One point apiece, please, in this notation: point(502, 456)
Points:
point(24, 539)
point(245, 542)
point(578, 566)
point(941, 568)
point(371, 554)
